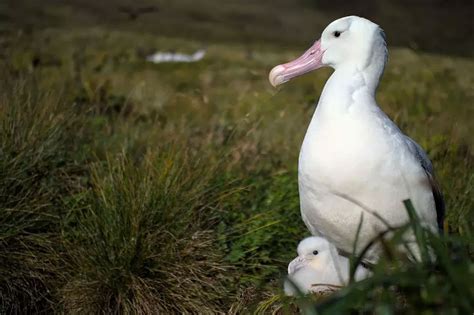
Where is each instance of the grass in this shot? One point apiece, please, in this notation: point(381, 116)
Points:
point(128, 187)
point(142, 239)
point(34, 169)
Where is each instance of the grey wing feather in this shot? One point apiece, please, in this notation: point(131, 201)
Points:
point(429, 170)
point(421, 155)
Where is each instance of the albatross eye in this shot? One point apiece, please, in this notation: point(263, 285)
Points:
point(337, 34)
point(315, 252)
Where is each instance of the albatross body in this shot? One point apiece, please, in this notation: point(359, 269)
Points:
point(354, 160)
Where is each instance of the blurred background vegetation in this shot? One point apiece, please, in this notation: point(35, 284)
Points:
point(440, 26)
point(132, 187)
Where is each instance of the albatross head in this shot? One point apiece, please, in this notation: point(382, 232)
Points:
point(313, 251)
point(350, 41)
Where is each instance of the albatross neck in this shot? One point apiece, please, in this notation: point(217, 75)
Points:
point(352, 84)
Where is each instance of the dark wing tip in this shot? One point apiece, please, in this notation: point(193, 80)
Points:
point(438, 199)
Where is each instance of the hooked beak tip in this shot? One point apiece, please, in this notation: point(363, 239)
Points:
point(275, 78)
point(310, 60)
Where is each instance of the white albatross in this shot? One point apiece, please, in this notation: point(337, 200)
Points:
point(354, 158)
point(163, 57)
point(318, 268)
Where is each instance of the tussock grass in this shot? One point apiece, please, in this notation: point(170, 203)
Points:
point(142, 239)
point(35, 169)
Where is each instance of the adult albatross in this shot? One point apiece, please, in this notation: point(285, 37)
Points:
point(354, 160)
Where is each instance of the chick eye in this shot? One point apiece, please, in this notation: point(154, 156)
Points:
point(337, 34)
point(315, 252)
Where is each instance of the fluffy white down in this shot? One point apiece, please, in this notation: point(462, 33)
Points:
point(319, 272)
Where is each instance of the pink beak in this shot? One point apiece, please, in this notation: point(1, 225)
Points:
point(309, 61)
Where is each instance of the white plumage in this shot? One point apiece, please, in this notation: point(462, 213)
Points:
point(354, 160)
point(318, 268)
point(165, 57)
